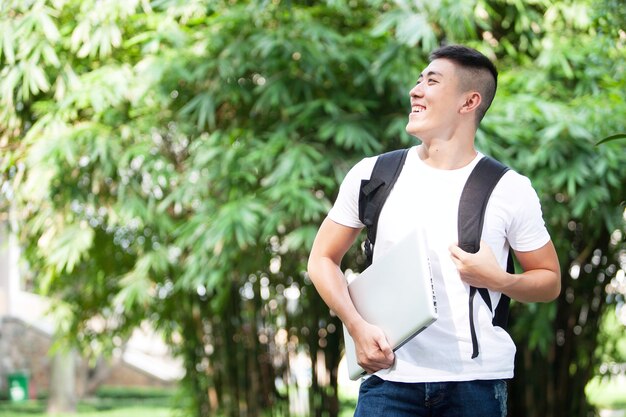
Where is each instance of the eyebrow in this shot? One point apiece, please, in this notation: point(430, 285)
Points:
point(429, 73)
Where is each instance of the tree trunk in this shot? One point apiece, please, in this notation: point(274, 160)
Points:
point(62, 393)
point(333, 356)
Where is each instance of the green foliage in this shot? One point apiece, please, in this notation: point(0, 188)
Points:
point(170, 162)
point(607, 393)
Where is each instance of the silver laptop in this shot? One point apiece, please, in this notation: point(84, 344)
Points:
point(395, 293)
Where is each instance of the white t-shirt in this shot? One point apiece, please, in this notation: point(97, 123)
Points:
point(429, 198)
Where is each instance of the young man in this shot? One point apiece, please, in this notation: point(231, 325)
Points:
point(434, 374)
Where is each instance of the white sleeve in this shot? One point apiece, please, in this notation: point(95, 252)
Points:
point(527, 230)
point(345, 211)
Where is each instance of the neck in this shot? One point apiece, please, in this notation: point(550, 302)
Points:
point(448, 147)
point(447, 154)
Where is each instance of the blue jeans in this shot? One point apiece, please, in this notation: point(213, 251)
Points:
point(378, 397)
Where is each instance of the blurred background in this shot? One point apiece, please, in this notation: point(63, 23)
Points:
point(165, 164)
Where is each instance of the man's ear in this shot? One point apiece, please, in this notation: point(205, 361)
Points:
point(472, 101)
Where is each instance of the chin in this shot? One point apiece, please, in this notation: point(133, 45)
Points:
point(412, 130)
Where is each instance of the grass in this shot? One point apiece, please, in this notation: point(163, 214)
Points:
point(108, 402)
point(38, 410)
point(92, 408)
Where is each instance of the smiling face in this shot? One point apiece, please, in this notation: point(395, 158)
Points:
point(436, 101)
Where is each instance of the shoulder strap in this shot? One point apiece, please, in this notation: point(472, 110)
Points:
point(471, 216)
point(474, 199)
point(374, 193)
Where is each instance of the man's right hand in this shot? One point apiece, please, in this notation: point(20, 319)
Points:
point(331, 243)
point(373, 352)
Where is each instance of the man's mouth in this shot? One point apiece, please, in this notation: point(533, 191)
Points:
point(417, 108)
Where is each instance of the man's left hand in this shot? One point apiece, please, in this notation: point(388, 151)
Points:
point(480, 269)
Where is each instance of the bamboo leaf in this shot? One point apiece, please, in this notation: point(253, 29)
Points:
point(69, 247)
point(8, 42)
point(611, 138)
point(48, 27)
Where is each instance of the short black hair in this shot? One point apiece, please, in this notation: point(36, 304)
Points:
point(478, 72)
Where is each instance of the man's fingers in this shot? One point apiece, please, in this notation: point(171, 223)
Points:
point(381, 357)
point(385, 349)
point(456, 251)
point(374, 365)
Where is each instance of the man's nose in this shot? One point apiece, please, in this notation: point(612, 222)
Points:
point(417, 90)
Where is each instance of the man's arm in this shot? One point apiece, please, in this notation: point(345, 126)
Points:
point(331, 243)
point(540, 281)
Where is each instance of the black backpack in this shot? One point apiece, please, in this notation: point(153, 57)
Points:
point(474, 198)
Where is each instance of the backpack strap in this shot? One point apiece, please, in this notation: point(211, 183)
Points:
point(374, 192)
point(472, 207)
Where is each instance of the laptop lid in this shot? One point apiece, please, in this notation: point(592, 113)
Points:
point(395, 293)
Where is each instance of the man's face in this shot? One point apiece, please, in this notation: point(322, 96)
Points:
point(435, 101)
